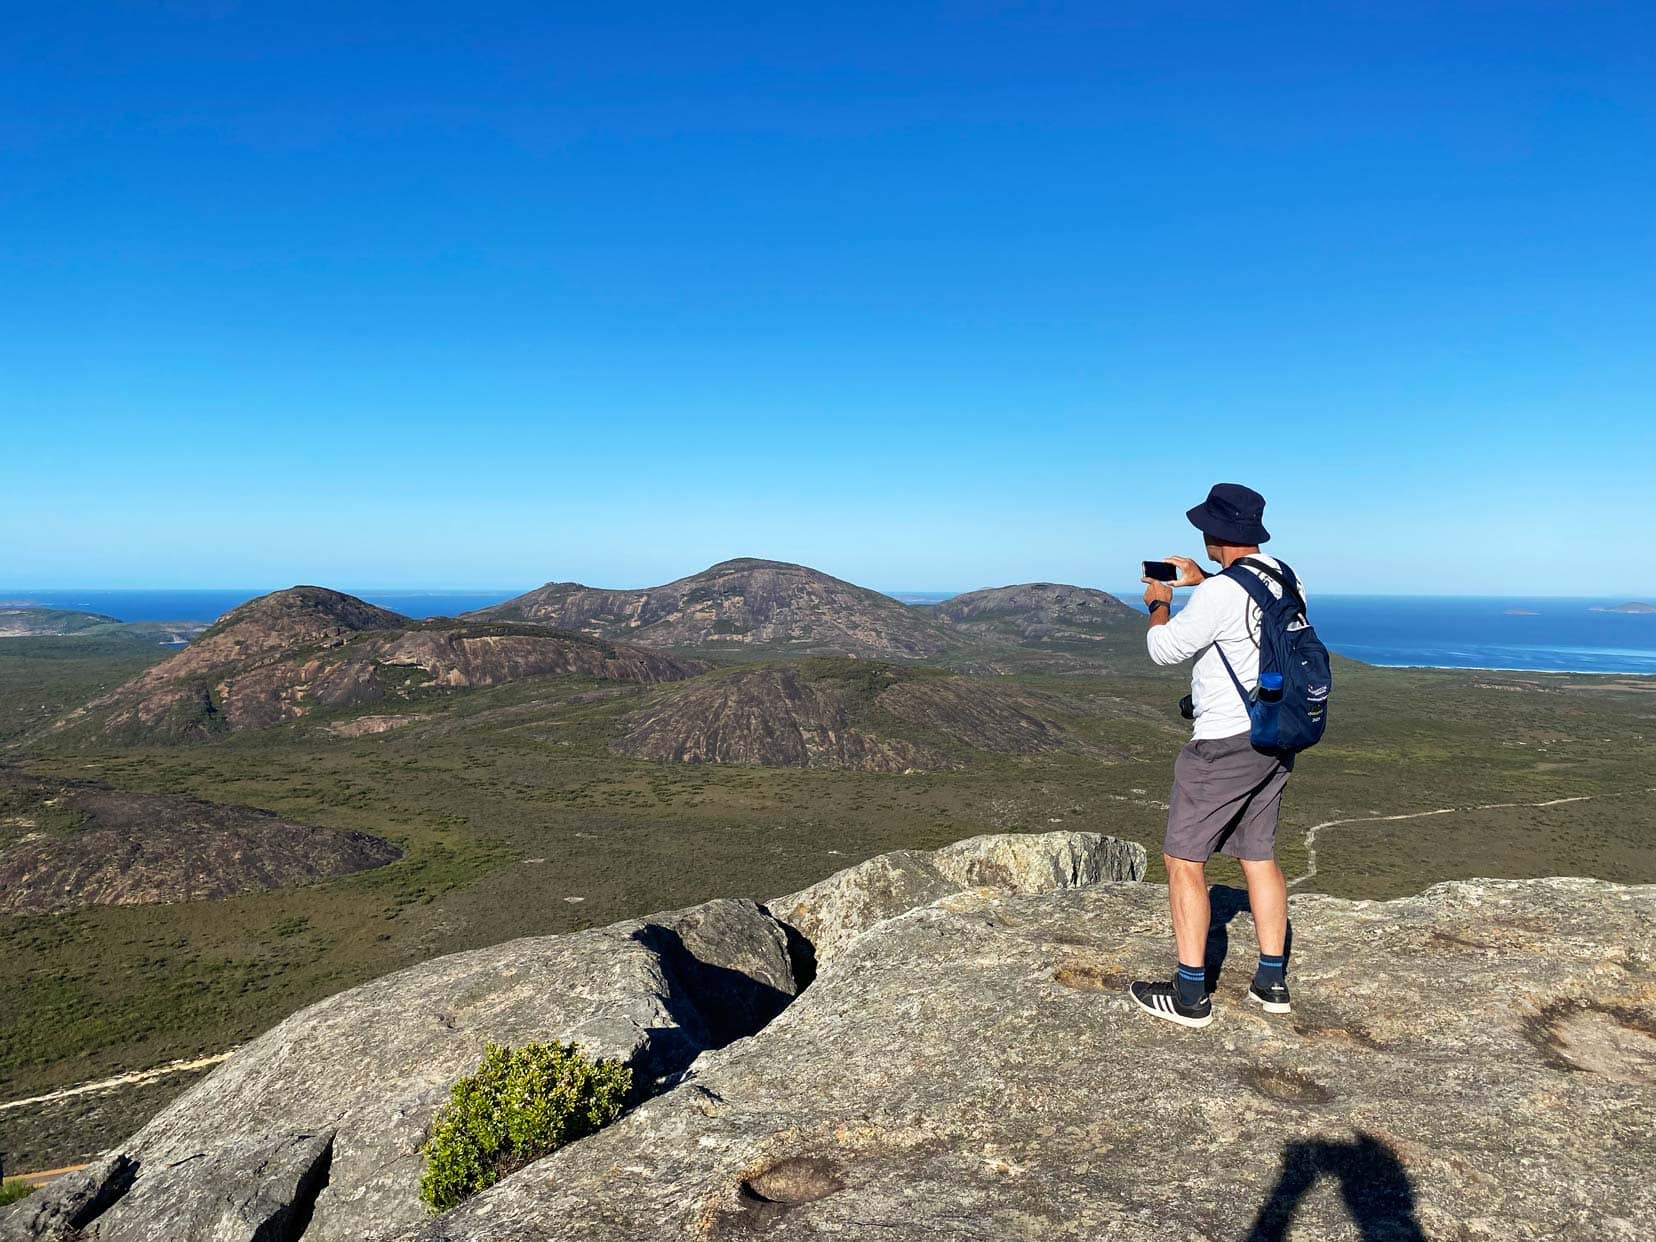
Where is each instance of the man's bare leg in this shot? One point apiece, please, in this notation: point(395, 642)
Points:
point(1184, 998)
point(1188, 896)
point(1268, 899)
point(1268, 896)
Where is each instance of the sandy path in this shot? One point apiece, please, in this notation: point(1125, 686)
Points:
point(120, 1080)
point(40, 1176)
point(1311, 833)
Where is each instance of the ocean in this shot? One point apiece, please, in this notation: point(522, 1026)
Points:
point(1536, 634)
point(1547, 634)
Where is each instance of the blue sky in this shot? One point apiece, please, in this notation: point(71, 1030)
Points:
point(928, 296)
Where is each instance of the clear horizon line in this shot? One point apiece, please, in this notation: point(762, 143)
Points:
point(1124, 593)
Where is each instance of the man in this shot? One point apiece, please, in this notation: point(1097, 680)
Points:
point(1225, 793)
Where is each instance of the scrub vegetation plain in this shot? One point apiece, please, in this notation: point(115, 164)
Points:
point(517, 815)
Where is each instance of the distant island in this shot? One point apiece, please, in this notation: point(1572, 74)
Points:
point(1521, 612)
point(67, 623)
point(1631, 606)
point(33, 622)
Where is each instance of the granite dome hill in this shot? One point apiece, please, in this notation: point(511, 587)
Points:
point(1037, 612)
point(65, 844)
point(286, 655)
point(869, 716)
point(741, 603)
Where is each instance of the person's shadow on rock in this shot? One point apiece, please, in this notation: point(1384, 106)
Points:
point(1373, 1183)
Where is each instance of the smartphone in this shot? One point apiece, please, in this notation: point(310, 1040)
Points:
point(1161, 571)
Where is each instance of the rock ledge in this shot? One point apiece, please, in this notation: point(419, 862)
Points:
point(315, 1126)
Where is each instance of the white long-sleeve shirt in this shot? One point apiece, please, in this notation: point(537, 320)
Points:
point(1219, 613)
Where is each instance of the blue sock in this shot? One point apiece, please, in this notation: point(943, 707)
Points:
point(1192, 983)
point(1271, 970)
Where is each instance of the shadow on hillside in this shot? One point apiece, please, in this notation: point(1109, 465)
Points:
point(1375, 1186)
point(1227, 903)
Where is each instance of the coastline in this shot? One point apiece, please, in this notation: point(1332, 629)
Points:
point(1502, 668)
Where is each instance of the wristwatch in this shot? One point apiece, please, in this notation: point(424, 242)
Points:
point(1157, 603)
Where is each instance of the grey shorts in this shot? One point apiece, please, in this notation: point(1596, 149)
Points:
point(1225, 798)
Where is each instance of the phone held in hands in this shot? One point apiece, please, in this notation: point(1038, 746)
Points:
point(1161, 571)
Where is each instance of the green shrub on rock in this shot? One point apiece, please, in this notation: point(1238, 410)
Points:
point(14, 1189)
point(520, 1104)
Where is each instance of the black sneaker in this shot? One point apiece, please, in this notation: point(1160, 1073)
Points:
point(1162, 1000)
point(1273, 996)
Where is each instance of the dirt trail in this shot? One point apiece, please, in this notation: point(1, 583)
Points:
point(1311, 833)
point(41, 1176)
point(120, 1080)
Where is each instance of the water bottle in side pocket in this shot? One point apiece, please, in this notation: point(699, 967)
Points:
point(1264, 710)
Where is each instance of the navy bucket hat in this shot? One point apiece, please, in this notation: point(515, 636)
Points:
point(1232, 512)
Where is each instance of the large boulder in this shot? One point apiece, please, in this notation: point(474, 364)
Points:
point(1474, 1063)
point(57, 1213)
point(834, 912)
point(257, 1190)
point(370, 1067)
point(317, 1124)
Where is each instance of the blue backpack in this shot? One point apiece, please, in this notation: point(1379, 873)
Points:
point(1296, 721)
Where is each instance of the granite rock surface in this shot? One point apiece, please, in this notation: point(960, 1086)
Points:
point(1477, 1062)
point(314, 1128)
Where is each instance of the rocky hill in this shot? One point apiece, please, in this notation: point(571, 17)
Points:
point(939, 1046)
point(839, 714)
point(1037, 612)
point(738, 604)
point(286, 655)
point(284, 620)
point(67, 844)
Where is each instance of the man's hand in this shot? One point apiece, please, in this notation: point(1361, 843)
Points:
point(1158, 593)
point(1190, 573)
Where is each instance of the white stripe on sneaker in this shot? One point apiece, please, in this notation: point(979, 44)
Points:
point(1161, 1003)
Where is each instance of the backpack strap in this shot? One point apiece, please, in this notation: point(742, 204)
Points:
point(1283, 577)
point(1261, 595)
point(1250, 583)
point(1235, 680)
